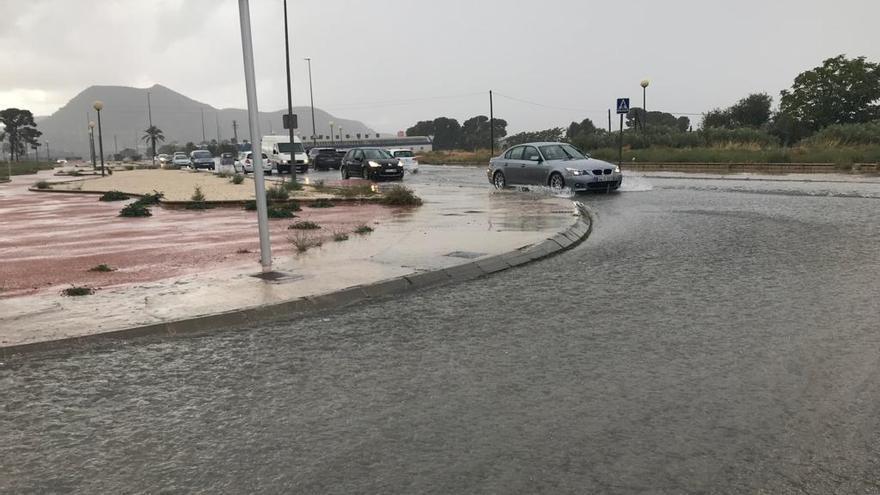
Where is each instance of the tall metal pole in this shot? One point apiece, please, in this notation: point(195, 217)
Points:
point(620, 143)
point(100, 142)
point(609, 120)
point(332, 138)
point(491, 124)
point(48, 153)
point(235, 133)
point(92, 145)
point(290, 162)
point(204, 138)
point(247, 48)
point(217, 121)
point(150, 118)
point(115, 148)
point(312, 100)
point(645, 106)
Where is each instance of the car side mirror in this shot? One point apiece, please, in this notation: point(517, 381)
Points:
point(536, 159)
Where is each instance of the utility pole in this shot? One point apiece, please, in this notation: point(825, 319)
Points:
point(609, 120)
point(312, 100)
point(150, 117)
point(247, 49)
point(491, 124)
point(235, 132)
point(217, 119)
point(204, 138)
point(291, 162)
point(115, 148)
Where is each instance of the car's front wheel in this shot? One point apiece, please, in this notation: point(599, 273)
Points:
point(556, 181)
point(344, 171)
point(498, 180)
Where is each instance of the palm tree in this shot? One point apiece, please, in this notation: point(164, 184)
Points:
point(152, 135)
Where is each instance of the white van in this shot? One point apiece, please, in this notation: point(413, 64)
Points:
point(279, 148)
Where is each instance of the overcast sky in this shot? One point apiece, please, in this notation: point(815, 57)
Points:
point(390, 63)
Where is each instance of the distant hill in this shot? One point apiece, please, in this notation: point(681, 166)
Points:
point(180, 118)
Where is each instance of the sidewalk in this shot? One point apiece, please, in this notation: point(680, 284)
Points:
point(455, 226)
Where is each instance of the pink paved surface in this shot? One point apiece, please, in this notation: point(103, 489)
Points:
point(49, 241)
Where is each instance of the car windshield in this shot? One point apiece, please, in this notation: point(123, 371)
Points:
point(561, 152)
point(377, 154)
point(285, 148)
point(327, 151)
point(201, 154)
point(403, 154)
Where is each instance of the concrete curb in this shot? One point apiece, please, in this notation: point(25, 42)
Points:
point(567, 239)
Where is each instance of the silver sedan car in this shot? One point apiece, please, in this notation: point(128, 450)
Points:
point(556, 165)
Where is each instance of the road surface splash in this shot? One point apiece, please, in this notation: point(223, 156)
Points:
point(633, 182)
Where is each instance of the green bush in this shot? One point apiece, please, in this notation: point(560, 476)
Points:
point(291, 185)
point(355, 191)
point(136, 209)
point(846, 135)
point(42, 185)
point(250, 205)
point(74, 291)
point(279, 212)
point(113, 196)
point(198, 201)
point(223, 175)
point(304, 225)
point(237, 179)
point(321, 203)
point(340, 236)
point(151, 198)
point(363, 229)
point(401, 196)
point(277, 193)
point(102, 268)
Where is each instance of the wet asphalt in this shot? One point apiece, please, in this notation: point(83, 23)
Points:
point(707, 337)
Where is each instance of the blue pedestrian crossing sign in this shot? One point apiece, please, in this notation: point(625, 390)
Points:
point(623, 105)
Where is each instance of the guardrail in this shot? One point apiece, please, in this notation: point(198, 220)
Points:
point(808, 168)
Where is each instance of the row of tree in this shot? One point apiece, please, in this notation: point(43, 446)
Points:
point(841, 92)
point(448, 134)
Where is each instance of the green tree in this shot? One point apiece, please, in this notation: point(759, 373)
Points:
point(476, 132)
point(635, 118)
point(422, 128)
point(585, 126)
point(751, 111)
point(552, 134)
point(447, 133)
point(841, 91)
point(151, 135)
point(20, 130)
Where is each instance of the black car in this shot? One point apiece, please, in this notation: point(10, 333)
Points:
point(227, 159)
point(202, 159)
point(325, 158)
point(371, 164)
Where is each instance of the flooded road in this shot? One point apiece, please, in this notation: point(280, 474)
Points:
point(708, 337)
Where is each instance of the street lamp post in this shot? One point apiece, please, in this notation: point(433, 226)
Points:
point(332, 139)
point(312, 100)
point(48, 153)
point(341, 135)
point(644, 85)
point(98, 105)
point(92, 143)
point(291, 162)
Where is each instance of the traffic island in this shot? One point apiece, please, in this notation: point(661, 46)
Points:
point(408, 249)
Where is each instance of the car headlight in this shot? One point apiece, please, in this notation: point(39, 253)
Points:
point(374, 164)
point(574, 171)
point(617, 169)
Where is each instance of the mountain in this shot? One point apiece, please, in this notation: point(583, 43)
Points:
point(124, 118)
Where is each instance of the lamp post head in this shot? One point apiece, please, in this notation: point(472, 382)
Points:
point(644, 83)
point(98, 105)
point(331, 122)
point(91, 124)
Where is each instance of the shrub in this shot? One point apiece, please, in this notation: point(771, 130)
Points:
point(250, 205)
point(363, 229)
point(302, 242)
point(291, 185)
point(198, 200)
point(77, 291)
point(319, 186)
point(151, 198)
point(846, 135)
point(102, 268)
point(242, 251)
point(113, 196)
point(223, 174)
point(321, 203)
point(279, 212)
point(136, 209)
point(128, 167)
point(304, 225)
point(74, 173)
point(401, 196)
point(355, 191)
point(277, 193)
point(340, 236)
point(42, 185)
point(237, 179)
